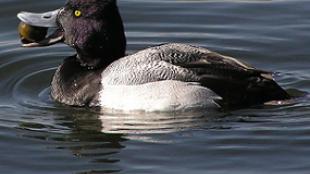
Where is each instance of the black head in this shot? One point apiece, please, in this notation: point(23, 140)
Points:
point(93, 27)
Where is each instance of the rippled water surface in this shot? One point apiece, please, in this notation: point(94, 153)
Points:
point(39, 136)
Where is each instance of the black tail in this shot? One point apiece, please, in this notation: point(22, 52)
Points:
point(245, 89)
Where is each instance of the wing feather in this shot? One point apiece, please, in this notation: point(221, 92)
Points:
point(236, 82)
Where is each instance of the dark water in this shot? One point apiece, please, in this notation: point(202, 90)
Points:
point(39, 136)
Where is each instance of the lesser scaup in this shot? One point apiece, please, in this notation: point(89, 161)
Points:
point(165, 77)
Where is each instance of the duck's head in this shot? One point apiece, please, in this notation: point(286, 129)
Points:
point(93, 28)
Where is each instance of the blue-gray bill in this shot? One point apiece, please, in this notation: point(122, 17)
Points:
point(34, 23)
point(46, 19)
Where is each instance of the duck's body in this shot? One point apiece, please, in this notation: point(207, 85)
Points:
point(162, 78)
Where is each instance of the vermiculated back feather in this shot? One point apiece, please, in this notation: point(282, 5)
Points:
point(236, 82)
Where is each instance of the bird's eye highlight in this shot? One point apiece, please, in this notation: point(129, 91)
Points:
point(77, 13)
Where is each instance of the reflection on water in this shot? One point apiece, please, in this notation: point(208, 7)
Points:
point(139, 123)
point(41, 136)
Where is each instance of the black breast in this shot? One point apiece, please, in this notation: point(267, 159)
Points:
point(76, 85)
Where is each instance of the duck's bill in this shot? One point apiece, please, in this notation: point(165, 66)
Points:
point(33, 21)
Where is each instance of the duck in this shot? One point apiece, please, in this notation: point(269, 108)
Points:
point(166, 77)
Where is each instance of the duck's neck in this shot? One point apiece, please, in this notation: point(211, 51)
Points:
point(106, 44)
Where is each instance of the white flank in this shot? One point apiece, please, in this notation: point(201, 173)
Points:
point(168, 95)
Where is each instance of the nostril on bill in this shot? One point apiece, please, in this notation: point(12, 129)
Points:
point(47, 16)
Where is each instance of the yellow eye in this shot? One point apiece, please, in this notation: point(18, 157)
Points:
point(77, 13)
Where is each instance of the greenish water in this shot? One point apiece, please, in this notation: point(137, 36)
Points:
point(40, 136)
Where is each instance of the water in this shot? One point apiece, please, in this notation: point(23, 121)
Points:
point(40, 136)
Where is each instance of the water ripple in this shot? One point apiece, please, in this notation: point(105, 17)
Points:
point(41, 136)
